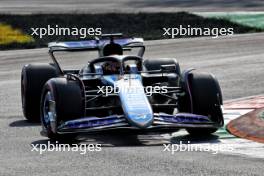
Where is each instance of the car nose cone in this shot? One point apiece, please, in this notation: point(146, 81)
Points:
point(140, 120)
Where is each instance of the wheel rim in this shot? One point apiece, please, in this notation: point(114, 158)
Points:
point(49, 111)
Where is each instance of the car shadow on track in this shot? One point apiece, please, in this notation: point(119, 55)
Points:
point(185, 139)
point(124, 139)
point(108, 140)
point(23, 123)
point(129, 140)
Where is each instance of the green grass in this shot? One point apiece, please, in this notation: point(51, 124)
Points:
point(147, 25)
point(261, 115)
point(250, 19)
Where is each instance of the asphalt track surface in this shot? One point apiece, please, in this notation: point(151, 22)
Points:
point(236, 61)
point(126, 6)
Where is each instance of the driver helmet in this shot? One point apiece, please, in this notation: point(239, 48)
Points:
point(111, 67)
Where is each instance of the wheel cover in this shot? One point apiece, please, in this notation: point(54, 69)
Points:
point(49, 112)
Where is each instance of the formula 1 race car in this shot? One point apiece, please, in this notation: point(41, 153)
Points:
point(119, 92)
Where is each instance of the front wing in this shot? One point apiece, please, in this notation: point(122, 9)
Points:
point(161, 122)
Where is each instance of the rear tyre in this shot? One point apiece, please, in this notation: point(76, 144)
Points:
point(155, 64)
point(207, 100)
point(173, 80)
point(33, 78)
point(61, 100)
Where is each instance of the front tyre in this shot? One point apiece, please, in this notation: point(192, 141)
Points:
point(206, 97)
point(61, 100)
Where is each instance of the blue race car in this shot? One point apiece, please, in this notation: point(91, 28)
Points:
point(116, 91)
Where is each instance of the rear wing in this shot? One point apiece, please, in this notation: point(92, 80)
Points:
point(95, 44)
